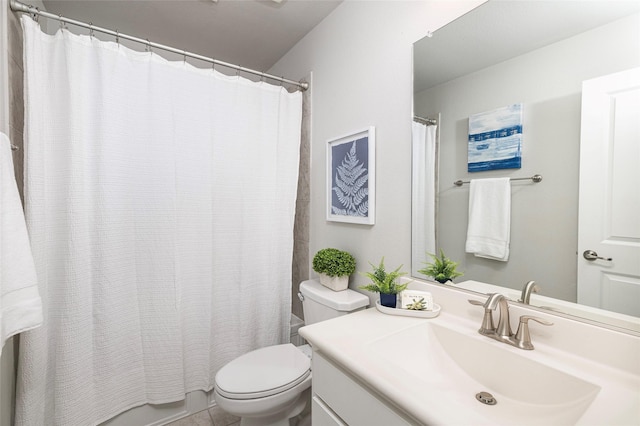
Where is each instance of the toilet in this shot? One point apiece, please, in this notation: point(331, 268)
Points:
point(271, 385)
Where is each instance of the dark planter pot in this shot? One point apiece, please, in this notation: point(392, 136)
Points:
point(388, 300)
point(443, 281)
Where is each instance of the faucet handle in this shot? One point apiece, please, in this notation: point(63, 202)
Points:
point(523, 337)
point(487, 328)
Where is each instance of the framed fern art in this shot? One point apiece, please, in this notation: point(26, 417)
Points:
point(351, 178)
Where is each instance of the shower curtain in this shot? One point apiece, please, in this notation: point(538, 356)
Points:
point(160, 203)
point(423, 187)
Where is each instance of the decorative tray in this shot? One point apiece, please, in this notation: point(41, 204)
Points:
point(408, 312)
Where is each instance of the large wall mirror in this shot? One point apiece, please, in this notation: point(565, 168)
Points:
point(537, 54)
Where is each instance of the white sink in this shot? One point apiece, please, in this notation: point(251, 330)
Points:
point(455, 366)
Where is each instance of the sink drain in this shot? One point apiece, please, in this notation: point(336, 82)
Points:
point(486, 398)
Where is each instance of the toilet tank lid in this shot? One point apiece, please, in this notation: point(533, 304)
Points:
point(345, 300)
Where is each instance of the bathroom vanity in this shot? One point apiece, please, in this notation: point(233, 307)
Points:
point(375, 369)
point(339, 399)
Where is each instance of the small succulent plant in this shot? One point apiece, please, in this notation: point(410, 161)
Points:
point(417, 305)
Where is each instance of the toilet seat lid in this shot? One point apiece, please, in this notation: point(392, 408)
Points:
point(263, 372)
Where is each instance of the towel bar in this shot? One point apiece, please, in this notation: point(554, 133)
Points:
point(535, 178)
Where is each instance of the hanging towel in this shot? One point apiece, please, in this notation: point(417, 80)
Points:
point(489, 228)
point(20, 305)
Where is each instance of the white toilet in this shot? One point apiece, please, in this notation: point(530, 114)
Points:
point(271, 385)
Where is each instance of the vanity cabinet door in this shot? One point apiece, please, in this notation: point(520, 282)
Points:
point(348, 399)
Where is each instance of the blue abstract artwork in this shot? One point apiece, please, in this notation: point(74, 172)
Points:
point(495, 139)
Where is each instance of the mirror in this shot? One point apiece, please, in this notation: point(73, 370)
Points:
point(534, 53)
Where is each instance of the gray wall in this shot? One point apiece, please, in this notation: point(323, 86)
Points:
point(544, 216)
point(361, 58)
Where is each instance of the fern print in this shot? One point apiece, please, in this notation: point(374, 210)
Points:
point(351, 188)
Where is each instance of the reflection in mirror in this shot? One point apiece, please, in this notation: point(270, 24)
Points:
point(537, 54)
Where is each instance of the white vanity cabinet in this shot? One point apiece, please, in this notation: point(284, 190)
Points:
point(340, 399)
point(373, 369)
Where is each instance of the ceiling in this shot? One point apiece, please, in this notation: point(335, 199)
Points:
point(499, 30)
point(251, 33)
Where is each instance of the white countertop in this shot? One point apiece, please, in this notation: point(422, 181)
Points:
point(344, 340)
point(347, 341)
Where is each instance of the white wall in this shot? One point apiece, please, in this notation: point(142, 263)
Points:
point(548, 81)
point(361, 58)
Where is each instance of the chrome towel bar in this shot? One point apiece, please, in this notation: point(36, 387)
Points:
point(535, 178)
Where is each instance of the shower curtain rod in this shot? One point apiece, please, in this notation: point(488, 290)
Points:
point(18, 6)
point(427, 121)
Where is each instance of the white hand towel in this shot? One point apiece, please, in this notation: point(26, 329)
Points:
point(489, 228)
point(20, 304)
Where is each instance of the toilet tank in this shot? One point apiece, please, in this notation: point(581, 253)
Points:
point(320, 303)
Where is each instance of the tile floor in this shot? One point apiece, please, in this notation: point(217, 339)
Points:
point(214, 416)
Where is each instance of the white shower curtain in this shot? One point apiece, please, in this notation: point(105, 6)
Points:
point(160, 203)
point(423, 187)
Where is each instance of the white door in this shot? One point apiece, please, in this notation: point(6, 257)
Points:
point(609, 211)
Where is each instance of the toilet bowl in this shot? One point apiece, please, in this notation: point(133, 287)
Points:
point(265, 386)
point(271, 385)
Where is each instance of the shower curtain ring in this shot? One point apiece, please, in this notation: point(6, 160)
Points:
point(148, 48)
point(184, 53)
point(91, 29)
point(117, 37)
point(35, 14)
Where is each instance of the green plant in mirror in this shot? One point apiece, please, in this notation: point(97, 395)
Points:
point(334, 262)
point(442, 269)
point(382, 281)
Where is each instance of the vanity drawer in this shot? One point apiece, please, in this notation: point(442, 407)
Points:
point(321, 415)
point(354, 404)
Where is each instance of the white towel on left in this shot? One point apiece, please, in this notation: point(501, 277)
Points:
point(20, 303)
point(489, 230)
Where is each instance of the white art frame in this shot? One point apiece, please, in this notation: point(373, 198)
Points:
point(351, 182)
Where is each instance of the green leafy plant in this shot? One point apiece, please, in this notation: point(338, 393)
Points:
point(442, 269)
point(382, 281)
point(334, 262)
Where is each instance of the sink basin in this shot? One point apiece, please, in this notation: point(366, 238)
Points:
point(455, 366)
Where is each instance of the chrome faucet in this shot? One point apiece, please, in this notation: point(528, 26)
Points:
point(530, 287)
point(502, 333)
point(503, 330)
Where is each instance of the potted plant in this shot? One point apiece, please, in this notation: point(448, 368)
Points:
point(384, 282)
point(334, 267)
point(442, 269)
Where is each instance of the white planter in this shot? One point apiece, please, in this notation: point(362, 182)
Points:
point(334, 283)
